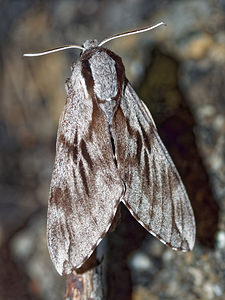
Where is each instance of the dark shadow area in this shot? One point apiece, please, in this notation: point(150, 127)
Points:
point(127, 238)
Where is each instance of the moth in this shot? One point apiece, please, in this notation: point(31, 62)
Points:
point(108, 150)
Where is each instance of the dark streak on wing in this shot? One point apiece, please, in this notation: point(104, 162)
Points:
point(67, 145)
point(146, 172)
point(139, 146)
point(56, 196)
point(172, 206)
point(182, 214)
point(62, 229)
point(83, 177)
point(163, 184)
point(135, 134)
point(129, 128)
point(87, 75)
point(146, 138)
point(71, 148)
point(154, 190)
point(86, 154)
point(175, 228)
point(75, 147)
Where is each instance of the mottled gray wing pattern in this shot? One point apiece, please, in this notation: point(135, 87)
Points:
point(85, 188)
point(155, 194)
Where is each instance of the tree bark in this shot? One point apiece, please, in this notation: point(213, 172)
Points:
point(86, 283)
point(86, 286)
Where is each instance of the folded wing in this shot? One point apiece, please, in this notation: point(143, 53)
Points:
point(85, 188)
point(155, 194)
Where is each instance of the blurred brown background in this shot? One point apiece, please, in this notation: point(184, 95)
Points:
point(179, 70)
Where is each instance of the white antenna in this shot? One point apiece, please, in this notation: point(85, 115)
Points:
point(103, 42)
point(54, 50)
point(130, 32)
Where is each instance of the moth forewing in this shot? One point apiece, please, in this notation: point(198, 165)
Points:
point(155, 194)
point(86, 187)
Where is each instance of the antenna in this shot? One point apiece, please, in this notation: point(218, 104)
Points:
point(116, 36)
point(54, 50)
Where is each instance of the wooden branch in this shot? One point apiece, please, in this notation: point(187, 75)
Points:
point(86, 282)
point(86, 286)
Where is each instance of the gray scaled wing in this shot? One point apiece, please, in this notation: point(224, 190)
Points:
point(155, 194)
point(85, 187)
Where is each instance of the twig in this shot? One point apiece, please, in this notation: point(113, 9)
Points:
point(85, 283)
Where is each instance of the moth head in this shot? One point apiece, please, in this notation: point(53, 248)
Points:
point(94, 43)
point(90, 44)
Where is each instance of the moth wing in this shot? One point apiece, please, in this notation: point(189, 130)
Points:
point(85, 187)
point(155, 194)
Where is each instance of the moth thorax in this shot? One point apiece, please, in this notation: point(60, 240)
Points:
point(103, 69)
point(90, 44)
